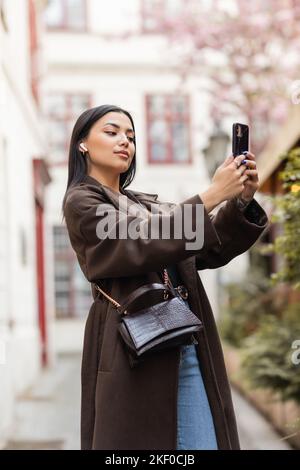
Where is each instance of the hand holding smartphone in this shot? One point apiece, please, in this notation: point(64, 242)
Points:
point(240, 138)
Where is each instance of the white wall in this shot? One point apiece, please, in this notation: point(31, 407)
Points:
point(21, 140)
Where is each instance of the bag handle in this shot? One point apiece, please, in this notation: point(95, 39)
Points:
point(122, 309)
point(168, 287)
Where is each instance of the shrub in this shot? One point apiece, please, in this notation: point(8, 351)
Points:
point(267, 355)
point(247, 303)
point(287, 213)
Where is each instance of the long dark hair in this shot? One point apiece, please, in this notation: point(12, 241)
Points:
point(77, 166)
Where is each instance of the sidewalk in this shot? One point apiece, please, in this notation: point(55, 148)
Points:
point(255, 432)
point(49, 416)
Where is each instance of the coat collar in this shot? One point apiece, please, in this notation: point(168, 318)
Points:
point(113, 195)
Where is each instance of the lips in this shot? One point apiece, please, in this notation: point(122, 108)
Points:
point(123, 154)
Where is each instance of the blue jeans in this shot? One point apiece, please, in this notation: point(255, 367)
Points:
point(195, 427)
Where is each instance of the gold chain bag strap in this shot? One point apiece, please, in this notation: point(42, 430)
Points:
point(165, 323)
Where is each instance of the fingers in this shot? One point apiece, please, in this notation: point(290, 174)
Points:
point(249, 156)
point(252, 173)
point(238, 160)
point(243, 179)
point(227, 161)
point(241, 169)
point(250, 163)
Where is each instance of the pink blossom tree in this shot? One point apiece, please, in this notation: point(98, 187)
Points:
point(249, 50)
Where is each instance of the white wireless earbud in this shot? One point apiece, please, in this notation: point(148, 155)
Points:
point(83, 148)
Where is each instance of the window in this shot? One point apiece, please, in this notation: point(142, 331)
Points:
point(62, 110)
point(168, 129)
point(155, 12)
point(66, 15)
point(73, 295)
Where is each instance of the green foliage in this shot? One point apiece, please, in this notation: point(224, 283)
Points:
point(267, 355)
point(287, 213)
point(247, 303)
point(257, 318)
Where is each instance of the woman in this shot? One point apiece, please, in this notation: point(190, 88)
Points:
point(177, 399)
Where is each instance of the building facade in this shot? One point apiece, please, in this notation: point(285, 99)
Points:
point(101, 54)
point(24, 306)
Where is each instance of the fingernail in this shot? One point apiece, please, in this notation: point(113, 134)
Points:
point(243, 162)
point(245, 152)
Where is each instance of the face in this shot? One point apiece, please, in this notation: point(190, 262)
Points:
point(110, 143)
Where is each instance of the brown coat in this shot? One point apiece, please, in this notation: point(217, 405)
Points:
point(125, 408)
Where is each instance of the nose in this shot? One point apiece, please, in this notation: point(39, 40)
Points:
point(124, 139)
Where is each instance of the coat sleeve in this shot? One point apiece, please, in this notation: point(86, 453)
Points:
point(237, 230)
point(108, 257)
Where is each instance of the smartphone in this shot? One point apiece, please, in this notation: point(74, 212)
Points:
point(240, 138)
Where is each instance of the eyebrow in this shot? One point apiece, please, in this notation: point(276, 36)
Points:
point(117, 127)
